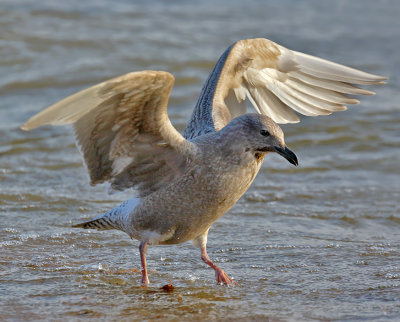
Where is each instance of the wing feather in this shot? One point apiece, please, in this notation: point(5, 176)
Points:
point(277, 81)
point(329, 70)
point(331, 85)
point(123, 131)
point(332, 97)
point(294, 100)
point(267, 103)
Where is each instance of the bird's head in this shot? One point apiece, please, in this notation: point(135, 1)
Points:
point(263, 135)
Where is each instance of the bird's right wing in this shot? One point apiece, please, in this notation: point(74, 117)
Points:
point(123, 131)
point(278, 82)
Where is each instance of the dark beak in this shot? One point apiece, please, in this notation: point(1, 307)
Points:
point(288, 155)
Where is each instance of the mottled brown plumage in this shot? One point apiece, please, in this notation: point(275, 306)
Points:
point(185, 183)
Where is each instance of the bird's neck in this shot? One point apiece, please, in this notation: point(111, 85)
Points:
point(259, 156)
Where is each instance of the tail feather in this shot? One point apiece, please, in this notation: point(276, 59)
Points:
point(114, 219)
point(102, 223)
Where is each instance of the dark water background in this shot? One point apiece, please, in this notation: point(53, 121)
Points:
point(321, 241)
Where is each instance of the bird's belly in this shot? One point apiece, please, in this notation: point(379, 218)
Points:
point(185, 211)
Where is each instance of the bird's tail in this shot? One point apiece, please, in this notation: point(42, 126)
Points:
point(114, 219)
point(102, 223)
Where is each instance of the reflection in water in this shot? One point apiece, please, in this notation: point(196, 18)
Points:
point(315, 242)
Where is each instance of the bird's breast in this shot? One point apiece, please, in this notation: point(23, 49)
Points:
point(191, 205)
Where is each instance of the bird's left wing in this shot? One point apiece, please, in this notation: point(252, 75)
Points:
point(123, 131)
point(278, 82)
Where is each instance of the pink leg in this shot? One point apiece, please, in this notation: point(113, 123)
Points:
point(143, 251)
point(220, 275)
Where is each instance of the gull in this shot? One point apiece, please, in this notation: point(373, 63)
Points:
point(182, 183)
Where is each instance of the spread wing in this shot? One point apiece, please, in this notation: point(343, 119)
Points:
point(123, 131)
point(278, 82)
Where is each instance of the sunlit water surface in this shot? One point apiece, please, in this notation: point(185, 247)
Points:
point(320, 241)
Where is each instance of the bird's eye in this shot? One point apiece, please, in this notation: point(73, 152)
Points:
point(264, 133)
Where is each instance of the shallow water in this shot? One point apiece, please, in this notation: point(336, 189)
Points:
point(320, 241)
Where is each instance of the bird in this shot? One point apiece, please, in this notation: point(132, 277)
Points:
point(182, 183)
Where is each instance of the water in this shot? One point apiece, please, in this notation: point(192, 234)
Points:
point(320, 241)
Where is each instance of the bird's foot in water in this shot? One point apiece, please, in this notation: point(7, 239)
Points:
point(223, 278)
point(145, 280)
point(220, 275)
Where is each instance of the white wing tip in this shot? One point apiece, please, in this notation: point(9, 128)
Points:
point(31, 124)
point(26, 127)
point(367, 92)
point(330, 70)
point(37, 120)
